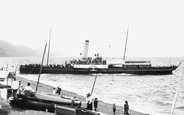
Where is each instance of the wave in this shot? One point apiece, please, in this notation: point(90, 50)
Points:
point(181, 107)
point(162, 103)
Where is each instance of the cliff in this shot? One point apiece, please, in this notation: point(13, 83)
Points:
point(9, 50)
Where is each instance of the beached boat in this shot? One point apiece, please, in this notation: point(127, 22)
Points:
point(32, 105)
point(42, 102)
point(66, 107)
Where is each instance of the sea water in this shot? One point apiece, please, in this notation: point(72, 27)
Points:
point(152, 94)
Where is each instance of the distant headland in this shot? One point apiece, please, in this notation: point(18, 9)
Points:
point(7, 49)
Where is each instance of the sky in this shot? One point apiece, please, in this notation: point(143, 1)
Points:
point(155, 26)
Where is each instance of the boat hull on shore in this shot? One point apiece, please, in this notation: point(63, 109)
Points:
point(54, 107)
point(33, 103)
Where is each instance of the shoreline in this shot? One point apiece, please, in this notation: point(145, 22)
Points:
point(103, 107)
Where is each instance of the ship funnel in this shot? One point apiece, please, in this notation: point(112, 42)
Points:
point(85, 51)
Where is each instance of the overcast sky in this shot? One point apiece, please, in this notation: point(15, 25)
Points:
point(155, 26)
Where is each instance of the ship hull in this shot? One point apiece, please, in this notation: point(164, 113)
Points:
point(120, 70)
point(42, 102)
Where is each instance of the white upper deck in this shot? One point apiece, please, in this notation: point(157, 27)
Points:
point(90, 66)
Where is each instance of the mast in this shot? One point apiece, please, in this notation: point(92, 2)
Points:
point(125, 44)
point(48, 49)
point(93, 85)
point(41, 68)
point(176, 95)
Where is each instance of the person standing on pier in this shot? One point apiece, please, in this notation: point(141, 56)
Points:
point(89, 102)
point(114, 108)
point(96, 103)
point(126, 108)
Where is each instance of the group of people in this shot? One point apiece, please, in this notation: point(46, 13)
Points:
point(17, 87)
point(57, 90)
point(126, 108)
point(90, 105)
point(90, 102)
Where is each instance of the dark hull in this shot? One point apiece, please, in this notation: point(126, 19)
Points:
point(5, 86)
point(118, 70)
point(61, 110)
point(82, 111)
point(24, 102)
point(32, 105)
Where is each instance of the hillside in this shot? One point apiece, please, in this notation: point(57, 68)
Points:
point(26, 51)
point(9, 50)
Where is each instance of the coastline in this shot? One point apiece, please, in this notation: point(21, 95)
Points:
point(103, 107)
